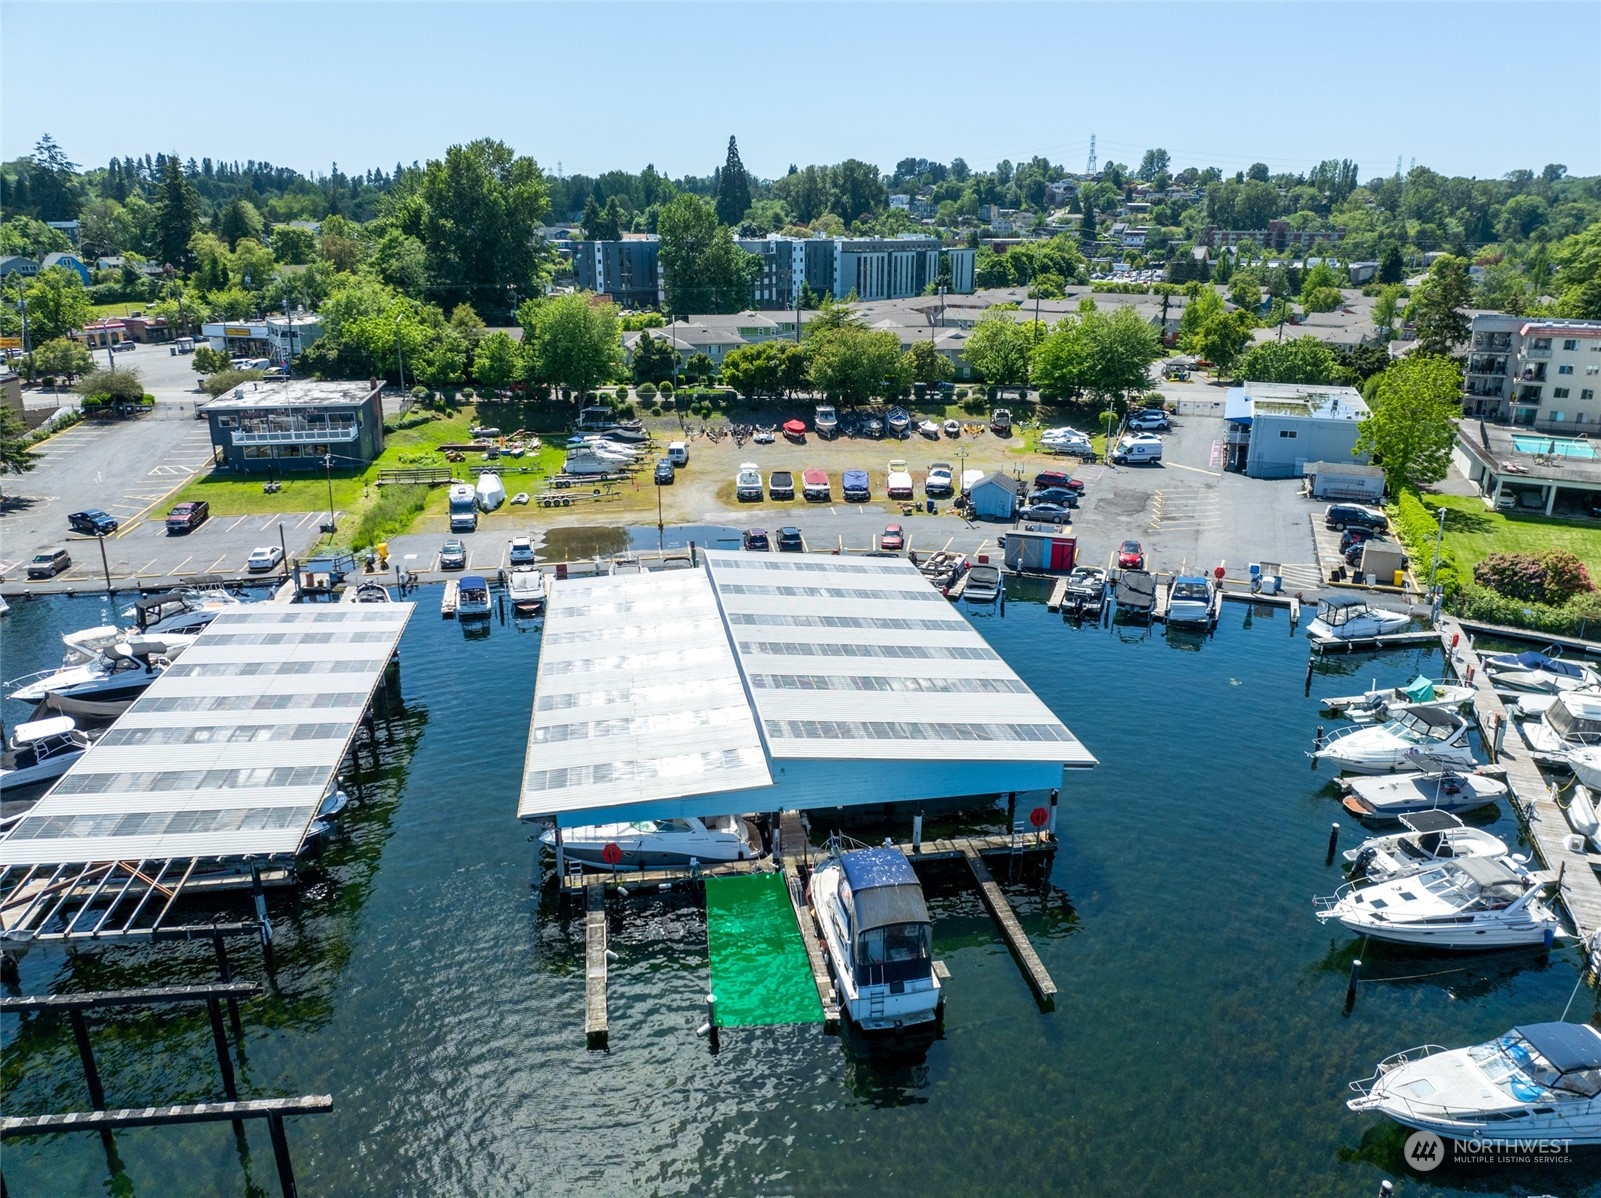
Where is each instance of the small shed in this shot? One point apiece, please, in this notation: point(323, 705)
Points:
point(1040, 551)
point(1347, 481)
point(994, 497)
point(1383, 560)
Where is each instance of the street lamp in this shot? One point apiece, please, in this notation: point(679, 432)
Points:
point(328, 465)
point(399, 359)
point(1438, 537)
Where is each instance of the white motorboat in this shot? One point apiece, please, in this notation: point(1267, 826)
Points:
point(1349, 618)
point(825, 420)
point(898, 479)
point(898, 421)
point(929, 429)
point(491, 491)
point(373, 592)
point(1545, 673)
point(1539, 1083)
point(1392, 745)
point(1086, 589)
point(1430, 837)
point(1586, 765)
point(1374, 705)
point(178, 613)
point(122, 671)
point(1468, 903)
point(1189, 603)
point(1582, 816)
point(585, 459)
point(953, 428)
point(329, 810)
point(1391, 796)
point(39, 753)
point(1572, 721)
point(983, 584)
point(656, 843)
point(472, 597)
point(527, 587)
point(879, 938)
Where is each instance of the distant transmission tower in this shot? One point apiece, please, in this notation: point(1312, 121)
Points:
point(1412, 165)
point(1398, 166)
point(1089, 168)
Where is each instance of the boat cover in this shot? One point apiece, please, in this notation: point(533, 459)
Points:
point(1568, 1046)
point(1488, 872)
point(884, 890)
point(1420, 690)
point(794, 427)
point(1431, 821)
point(866, 869)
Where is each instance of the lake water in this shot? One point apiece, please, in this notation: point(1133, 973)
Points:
point(1199, 1044)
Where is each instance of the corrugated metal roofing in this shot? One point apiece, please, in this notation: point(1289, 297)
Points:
point(637, 698)
point(230, 751)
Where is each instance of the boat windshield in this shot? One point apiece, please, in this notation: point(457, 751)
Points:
point(1414, 727)
point(900, 952)
point(1528, 1075)
point(1191, 590)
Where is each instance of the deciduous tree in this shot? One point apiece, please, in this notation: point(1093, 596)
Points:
point(57, 304)
point(573, 342)
point(998, 349)
point(16, 456)
point(1302, 360)
point(62, 357)
point(497, 362)
point(852, 365)
point(1411, 428)
point(702, 269)
point(926, 364)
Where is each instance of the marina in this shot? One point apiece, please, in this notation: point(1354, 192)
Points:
point(432, 854)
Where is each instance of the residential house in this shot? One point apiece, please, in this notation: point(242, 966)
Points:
point(16, 264)
point(1278, 236)
point(68, 262)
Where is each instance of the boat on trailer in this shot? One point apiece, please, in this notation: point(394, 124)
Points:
point(879, 937)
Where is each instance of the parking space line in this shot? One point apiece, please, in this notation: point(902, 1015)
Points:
point(140, 572)
point(237, 523)
point(216, 565)
point(1195, 469)
point(178, 569)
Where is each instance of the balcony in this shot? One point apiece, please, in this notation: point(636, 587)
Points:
point(1487, 364)
point(298, 436)
point(1493, 342)
point(1529, 397)
point(1536, 351)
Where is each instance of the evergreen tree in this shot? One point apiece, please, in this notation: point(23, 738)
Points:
point(1086, 222)
point(177, 214)
point(1391, 266)
point(733, 188)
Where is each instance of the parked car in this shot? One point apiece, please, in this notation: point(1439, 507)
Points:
point(47, 563)
point(1341, 516)
point(854, 487)
point(1149, 420)
point(263, 558)
point(938, 480)
point(521, 551)
point(118, 346)
point(92, 522)
point(187, 517)
point(1131, 556)
point(756, 540)
point(1057, 495)
point(665, 472)
point(1137, 449)
point(1050, 513)
point(781, 485)
point(893, 537)
point(1058, 478)
point(789, 540)
point(453, 555)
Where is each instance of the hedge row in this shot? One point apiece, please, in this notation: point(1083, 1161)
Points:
point(1416, 528)
point(1580, 616)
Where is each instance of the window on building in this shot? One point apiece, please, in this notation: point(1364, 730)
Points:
point(1542, 343)
point(1565, 369)
point(1571, 343)
point(1559, 393)
point(1285, 432)
point(1587, 393)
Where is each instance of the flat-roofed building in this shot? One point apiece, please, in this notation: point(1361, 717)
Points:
point(1274, 429)
point(297, 424)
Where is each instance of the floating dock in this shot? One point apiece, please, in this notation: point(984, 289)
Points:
point(448, 601)
point(1533, 799)
point(1392, 640)
point(597, 1029)
point(1016, 939)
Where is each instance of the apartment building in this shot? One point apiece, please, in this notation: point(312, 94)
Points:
point(1542, 374)
point(627, 271)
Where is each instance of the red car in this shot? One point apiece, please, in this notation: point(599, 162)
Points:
point(1130, 556)
point(1057, 478)
point(894, 537)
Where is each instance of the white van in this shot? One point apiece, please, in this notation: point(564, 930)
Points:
point(678, 453)
point(1136, 449)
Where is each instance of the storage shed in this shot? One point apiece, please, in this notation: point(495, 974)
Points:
point(994, 497)
point(1349, 482)
point(1040, 551)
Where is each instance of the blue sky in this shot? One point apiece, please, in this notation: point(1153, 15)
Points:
point(1473, 89)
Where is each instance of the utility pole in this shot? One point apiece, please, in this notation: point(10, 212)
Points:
point(401, 363)
point(1439, 536)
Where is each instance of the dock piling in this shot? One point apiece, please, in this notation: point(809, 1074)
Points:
point(1350, 987)
point(1334, 841)
point(917, 832)
point(711, 1022)
point(91, 1072)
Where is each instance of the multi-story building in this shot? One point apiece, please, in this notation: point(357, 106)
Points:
point(1277, 236)
point(1274, 429)
point(888, 267)
point(1543, 374)
point(300, 424)
point(783, 270)
point(628, 271)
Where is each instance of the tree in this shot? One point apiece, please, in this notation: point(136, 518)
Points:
point(925, 364)
point(239, 219)
point(62, 357)
point(1321, 278)
point(120, 384)
point(467, 323)
point(998, 349)
point(1412, 428)
point(700, 368)
point(477, 217)
point(54, 181)
point(225, 381)
point(855, 189)
point(1061, 362)
point(31, 238)
point(852, 365)
point(702, 269)
point(654, 359)
point(497, 362)
point(57, 304)
point(1436, 307)
point(339, 242)
point(1154, 163)
point(293, 245)
point(177, 214)
point(1391, 265)
point(749, 369)
point(1245, 288)
point(209, 361)
point(1257, 171)
point(573, 342)
point(16, 456)
point(1086, 223)
point(602, 223)
point(1302, 360)
point(1386, 313)
point(1122, 348)
point(733, 188)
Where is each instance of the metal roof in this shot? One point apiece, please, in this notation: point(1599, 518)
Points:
point(230, 751)
point(637, 698)
point(862, 658)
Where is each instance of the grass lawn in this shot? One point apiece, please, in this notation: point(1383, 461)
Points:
point(1473, 532)
point(120, 308)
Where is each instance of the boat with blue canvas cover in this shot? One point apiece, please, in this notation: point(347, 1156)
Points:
point(880, 939)
point(1544, 673)
point(472, 597)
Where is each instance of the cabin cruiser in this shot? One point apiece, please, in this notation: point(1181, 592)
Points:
point(122, 670)
point(1381, 748)
point(825, 420)
point(1391, 796)
point(1537, 1083)
point(1539, 672)
point(656, 843)
point(1086, 589)
point(879, 937)
point(39, 753)
point(1586, 765)
point(527, 587)
point(586, 459)
point(1430, 837)
point(1189, 603)
point(490, 490)
point(1348, 618)
point(983, 584)
point(1468, 903)
point(1374, 705)
point(472, 597)
point(1572, 721)
point(627, 432)
point(178, 613)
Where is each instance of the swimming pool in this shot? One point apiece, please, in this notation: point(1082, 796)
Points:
point(1567, 447)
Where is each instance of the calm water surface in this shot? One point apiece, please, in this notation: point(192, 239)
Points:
point(1199, 1045)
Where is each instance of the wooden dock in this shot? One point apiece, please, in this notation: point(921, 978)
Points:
point(1016, 939)
point(597, 1028)
point(1391, 640)
point(797, 851)
point(447, 601)
point(1532, 798)
point(1058, 595)
point(957, 587)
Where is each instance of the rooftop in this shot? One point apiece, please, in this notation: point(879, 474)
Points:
point(1310, 402)
point(295, 393)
